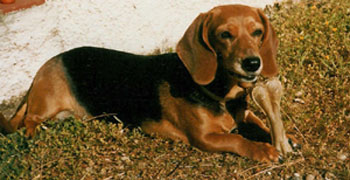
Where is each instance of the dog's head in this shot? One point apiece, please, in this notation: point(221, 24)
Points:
point(241, 37)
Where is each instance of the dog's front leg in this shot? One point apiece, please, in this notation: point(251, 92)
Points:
point(211, 132)
point(235, 143)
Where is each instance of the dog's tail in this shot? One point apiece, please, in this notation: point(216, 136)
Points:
point(17, 120)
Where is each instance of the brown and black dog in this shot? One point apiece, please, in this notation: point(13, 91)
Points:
point(197, 95)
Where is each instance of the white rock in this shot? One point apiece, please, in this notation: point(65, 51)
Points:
point(341, 156)
point(298, 100)
point(299, 94)
point(296, 176)
point(310, 177)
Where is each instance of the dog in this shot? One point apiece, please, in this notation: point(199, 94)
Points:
point(197, 95)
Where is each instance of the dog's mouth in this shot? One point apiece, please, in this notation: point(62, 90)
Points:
point(241, 78)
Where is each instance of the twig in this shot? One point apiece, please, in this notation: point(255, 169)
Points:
point(254, 167)
point(117, 119)
point(49, 163)
point(104, 115)
point(177, 166)
point(2, 135)
point(275, 167)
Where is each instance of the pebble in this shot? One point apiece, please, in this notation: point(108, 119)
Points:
point(310, 177)
point(298, 100)
point(299, 94)
point(126, 159)
point(296, 176)
point(342, 156)
point(329, 176)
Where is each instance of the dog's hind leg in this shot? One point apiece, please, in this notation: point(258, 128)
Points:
point(10, 126)
point(50, 95)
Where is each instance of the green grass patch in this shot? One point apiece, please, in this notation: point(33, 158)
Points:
point(314, 58)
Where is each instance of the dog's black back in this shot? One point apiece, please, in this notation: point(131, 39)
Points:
point(109, 81)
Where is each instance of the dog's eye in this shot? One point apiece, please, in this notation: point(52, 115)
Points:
point(257, 32)
point(226, 35)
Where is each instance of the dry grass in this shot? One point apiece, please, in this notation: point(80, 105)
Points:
point(314, 57)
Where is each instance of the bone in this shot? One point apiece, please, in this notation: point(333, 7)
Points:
point(268, 97)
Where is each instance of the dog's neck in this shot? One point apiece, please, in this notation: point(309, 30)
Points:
point(224, 88)
point(235, 92)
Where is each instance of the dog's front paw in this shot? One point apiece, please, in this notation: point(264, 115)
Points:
point(263, 152)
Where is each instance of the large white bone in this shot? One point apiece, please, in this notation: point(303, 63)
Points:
point(268, 97)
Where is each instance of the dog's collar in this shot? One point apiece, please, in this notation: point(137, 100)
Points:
point(212, 95)
point(232, 94)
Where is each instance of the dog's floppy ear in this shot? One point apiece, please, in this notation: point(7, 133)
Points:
point(195, 51)
point(268, 49)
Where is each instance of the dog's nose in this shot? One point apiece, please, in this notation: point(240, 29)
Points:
point(251, 64)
